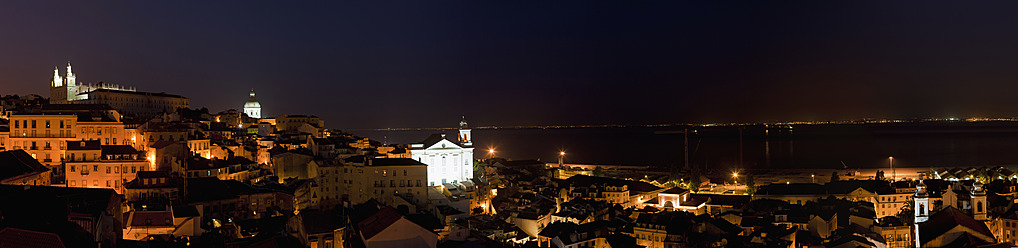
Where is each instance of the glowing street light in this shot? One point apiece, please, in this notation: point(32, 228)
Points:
point(561, 157)
point(735, 176)
point(491, 152)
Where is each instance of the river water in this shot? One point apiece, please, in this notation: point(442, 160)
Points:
point(928, 144)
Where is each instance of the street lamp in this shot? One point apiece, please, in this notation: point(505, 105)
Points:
point(735, 176)
point(813, 177)
point(491, 152)
point(561, 157)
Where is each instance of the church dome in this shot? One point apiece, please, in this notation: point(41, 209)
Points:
point(252, 102)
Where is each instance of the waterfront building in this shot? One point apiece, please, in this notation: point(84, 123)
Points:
point(448, 161)
point(252, 108)
point(127, 100)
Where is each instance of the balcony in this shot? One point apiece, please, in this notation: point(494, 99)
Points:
point(43, 136)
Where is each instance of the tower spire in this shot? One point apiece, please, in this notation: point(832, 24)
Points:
point(57, 80)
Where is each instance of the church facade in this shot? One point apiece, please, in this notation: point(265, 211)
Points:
point(127, 100)
point(448, 161)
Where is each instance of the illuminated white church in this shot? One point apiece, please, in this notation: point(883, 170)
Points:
point(252, 108)
point(68, 90)
point(448, 161)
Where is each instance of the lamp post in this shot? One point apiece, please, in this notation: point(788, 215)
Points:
point(813, 177)
point(561, 157)
point(491, 153)
point(735, 177)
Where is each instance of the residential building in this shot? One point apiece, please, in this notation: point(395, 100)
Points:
point(90, 165)
point(153, 187)
point(43, 136)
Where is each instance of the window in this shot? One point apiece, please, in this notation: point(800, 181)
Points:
point(16, 124)
point(61, 124)
point(107, 170)
point(133, 169)
point(33, 123)
point(47, 124)
point(72, 167)
point(404, 172)
point(95, 168)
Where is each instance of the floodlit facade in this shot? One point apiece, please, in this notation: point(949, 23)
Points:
point(252, 108)
point(127, 100)
point(448, 162)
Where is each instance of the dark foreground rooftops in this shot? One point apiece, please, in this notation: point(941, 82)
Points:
point(17, 162)
point(633, 186)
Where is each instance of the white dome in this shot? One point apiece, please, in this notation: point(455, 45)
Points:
point(252, 104)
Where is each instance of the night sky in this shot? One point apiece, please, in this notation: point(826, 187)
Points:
point(377, 64)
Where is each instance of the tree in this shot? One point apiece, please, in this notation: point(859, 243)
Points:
point(750, 185)
point(906, 214)
point(835, 177)
point(694, 179)
point(478, 169)
point(598, 171)
point(879, 176)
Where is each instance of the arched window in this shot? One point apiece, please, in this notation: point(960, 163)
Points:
point(979, 206)
point(922, 209)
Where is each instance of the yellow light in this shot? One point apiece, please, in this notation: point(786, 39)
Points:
point(491, 150)
point(735, 174)
point(561, 153)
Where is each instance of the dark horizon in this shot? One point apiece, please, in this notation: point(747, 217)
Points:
point(379, 65)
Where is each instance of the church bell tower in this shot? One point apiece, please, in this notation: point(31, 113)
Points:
point(464, 136)
point(978, 196)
